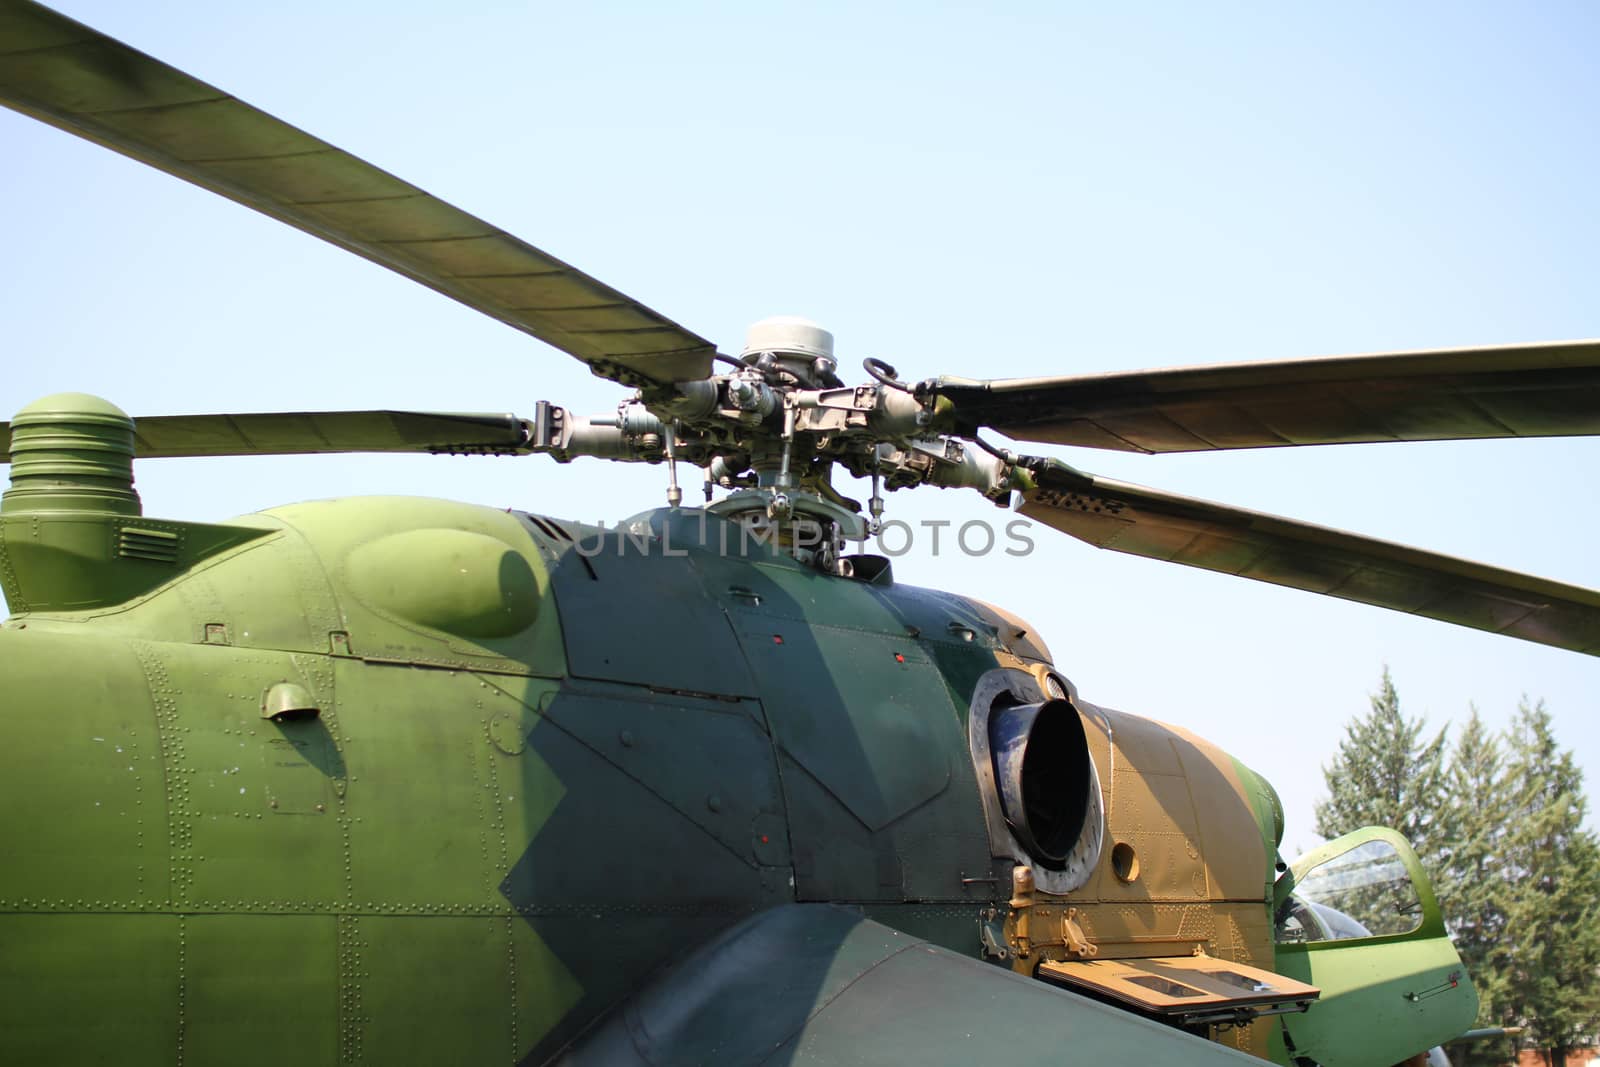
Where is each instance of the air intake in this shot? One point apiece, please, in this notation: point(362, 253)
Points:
point(1042, 771)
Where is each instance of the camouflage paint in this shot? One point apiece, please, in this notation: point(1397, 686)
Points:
point(548, 764)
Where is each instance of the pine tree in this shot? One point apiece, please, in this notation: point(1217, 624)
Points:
point(1500, 828)
point(1386, 774)
point(1471, 884)
point(1552, 867)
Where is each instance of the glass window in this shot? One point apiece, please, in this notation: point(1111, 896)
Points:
point(1365, 892)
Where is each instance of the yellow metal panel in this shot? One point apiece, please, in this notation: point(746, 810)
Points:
point(1180, 984)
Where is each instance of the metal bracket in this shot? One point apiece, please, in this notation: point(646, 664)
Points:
point(1021, 910)
point(1071, 933)
point(992, 943)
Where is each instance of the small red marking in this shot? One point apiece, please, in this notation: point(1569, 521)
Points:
point(898, 658)
point(763, 839)
point(777, 639)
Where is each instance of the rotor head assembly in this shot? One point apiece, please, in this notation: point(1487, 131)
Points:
point(771, 430)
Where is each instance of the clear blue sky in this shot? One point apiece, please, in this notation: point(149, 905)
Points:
point(1037, 189)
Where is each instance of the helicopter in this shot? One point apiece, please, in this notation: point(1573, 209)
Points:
point(476, 821)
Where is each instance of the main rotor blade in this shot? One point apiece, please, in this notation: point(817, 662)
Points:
point(1197, 533)
point(310, 432)
point(1541, 390)
point(76, 78)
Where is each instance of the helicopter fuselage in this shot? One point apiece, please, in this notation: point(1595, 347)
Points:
point(401, 778)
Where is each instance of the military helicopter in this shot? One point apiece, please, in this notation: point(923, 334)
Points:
point(404, 780)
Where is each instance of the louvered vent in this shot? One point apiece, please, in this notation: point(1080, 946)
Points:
point(157, 546)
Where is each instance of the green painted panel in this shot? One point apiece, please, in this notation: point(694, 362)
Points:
point(865, 714)
point(613, 877)
point(877, 778)
point(440, 990)
point(395, 579)
point(291, 862)
point(424, 822)
point(633, 611)
point(270, 593)
point(79, 989)
point(711, 761)
point(1380, 1002)
point(85, 819)
point(583, 835)
point(376, 577)
point(260, 989)
point(531, 784)
point(543, 989)
point(247, 832)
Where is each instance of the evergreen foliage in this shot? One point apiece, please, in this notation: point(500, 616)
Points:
point(1385, 774)
point(1552, 865)
point(1498, 822)
point(1473, 883)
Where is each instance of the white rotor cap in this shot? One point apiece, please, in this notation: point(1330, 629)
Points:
point(788, 335)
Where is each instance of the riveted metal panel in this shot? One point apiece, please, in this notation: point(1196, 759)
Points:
point(710, 760)
point(423, 805)
point(881, 796)
point(90, 989)
point(864, 714)
point(605, 866)
point(455, 968)
point(80, 756)
point(225, 769)
point(260, 989)
point(633, 609)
